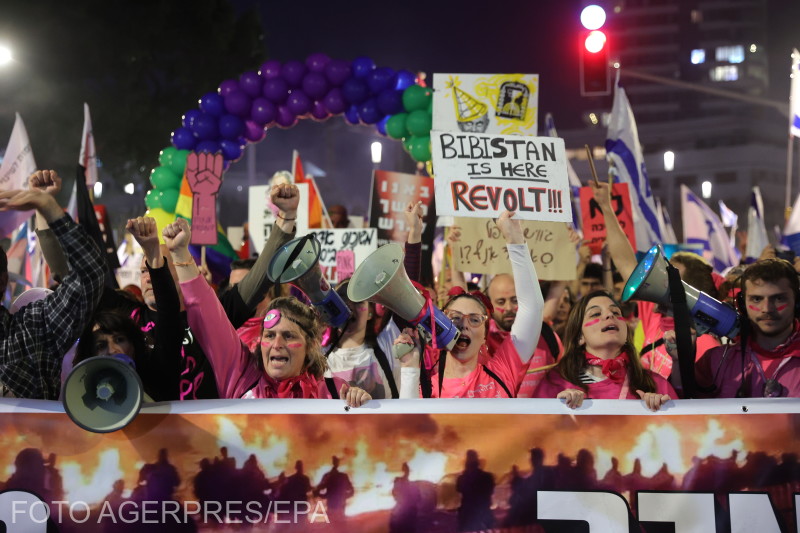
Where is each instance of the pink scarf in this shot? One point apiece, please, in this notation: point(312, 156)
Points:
point(614, 369)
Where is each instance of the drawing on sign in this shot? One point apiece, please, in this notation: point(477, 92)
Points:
point(471, 114)
point(512, 102)
point(204, 174)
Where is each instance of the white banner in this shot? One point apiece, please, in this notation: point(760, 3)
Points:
point(483, 175)
point(362, 242)
point(261, 219)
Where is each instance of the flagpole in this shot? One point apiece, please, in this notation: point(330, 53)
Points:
point(789, 150)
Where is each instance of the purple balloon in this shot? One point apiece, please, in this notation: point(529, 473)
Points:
point(354, 91)
point(298, 103)
point(317, 62)
point(205, 128)
point(362, 66)
point(183, 139)
point(293, 72)
point(379, 79)
point(250, 82)
point(276, 90)
point(404, 79)
point(254, 132)
point(231, 150)
point(263, 111)
point(338, 71)
point(270, 69)
point(227, 86)
point(230, 127)
point(318, 111)
point(189, 117)
point(285, 119)
point(212, 103)
point(208, 146)
point(334, 101)
point(351, 115)
point(238, 103)
point(390, 102)
point(381, 125)
point(368, 112)
point(315, 85)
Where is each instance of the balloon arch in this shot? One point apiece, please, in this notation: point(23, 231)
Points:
point(240, 112)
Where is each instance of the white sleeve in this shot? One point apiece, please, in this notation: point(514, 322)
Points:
point(528, 323)
point(409, 383)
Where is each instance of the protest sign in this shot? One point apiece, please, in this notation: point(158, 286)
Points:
point(486, 103)
point(594, 227)
point(482, 248)
point(391, 193)
point(361, 242)
point(480, 175)
point(260, 217)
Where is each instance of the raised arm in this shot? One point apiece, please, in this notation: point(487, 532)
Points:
point(619, 247)
point(51, 249)
point(528, 324)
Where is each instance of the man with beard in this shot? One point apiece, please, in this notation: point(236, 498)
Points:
point(503, 295)
point(766, 360)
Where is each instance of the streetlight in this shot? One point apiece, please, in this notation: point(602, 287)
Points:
point(130, 188)
point(98, 189)
point(377, 149)
point(706, 187)
point(669, 161)
point(6, 56)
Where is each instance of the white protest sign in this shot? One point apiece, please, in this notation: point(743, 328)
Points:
point(362, 242)
point(260, 218)
point(486, 103)
point(482, 248)
point(479, 175)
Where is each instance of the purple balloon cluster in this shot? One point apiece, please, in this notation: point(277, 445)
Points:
point(240, 111)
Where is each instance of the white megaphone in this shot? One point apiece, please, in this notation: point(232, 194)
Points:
point(382, 278)
point(649, 282)
point(297, 262)
point(104, 393)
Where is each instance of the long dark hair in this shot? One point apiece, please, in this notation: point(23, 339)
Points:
point(573, 362)
point(110, 322)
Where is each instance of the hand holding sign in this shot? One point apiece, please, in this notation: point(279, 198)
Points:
point(413, 215)
point(204, 175)
point(602, 195)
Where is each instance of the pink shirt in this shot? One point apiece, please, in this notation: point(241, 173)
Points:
point(606, 389)
point(541, 357)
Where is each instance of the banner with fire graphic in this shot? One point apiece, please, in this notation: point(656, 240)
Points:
point(405, 466)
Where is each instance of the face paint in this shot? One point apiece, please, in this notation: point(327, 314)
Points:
point(500, 310)
point(267, 345)
point(272, 318)
point(591, 322)
point(781, 307)
point(295, 345)
point(754, 308)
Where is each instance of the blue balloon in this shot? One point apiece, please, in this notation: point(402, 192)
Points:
point(368, 112)
point(404, 79)
point(380, 79)
point(354, 91)
point(212, 103)
point(205, 128)
point(351, 115)
point(381, 125)
point(231, 150)
point(189, 117)
point(183, 139)
point(362, 66)
point(231, 127)
point(390, 102)
point(208, 146)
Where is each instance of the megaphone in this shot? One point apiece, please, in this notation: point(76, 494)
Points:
point(382, 278)
point(297, 262)
point(649, 282)
point(103, 394)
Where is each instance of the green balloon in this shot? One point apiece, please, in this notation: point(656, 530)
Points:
point(178, 164)
point(396, 126)
point(416, 97)
point(169, 199)
point(421, 148)
point(152, 199)
point(419, 123)
point(166, 155)
point(407, 143)
point(164, 178)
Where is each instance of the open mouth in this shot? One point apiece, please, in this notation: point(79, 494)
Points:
point(610, 327)
point(279, 359)
point(462, 343)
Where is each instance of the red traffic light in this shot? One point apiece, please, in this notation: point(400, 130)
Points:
point(595, 74)
point(595, 41)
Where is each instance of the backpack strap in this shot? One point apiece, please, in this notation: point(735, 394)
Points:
point(550, 338)
point(498, 380)
point(387, 370)
point(332, 388)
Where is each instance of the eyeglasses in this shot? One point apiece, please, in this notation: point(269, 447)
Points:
point(474, 320)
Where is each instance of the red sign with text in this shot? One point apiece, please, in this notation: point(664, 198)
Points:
point(594, 227)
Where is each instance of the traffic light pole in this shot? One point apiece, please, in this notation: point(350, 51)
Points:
point(783, 107)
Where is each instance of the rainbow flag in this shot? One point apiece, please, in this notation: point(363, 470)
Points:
point(219, 256)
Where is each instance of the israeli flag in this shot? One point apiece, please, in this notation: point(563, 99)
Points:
point(757, 238)
point(791, 232)
point(574, 182)
point(794, 98)
point(626, 164)
point(702, 226)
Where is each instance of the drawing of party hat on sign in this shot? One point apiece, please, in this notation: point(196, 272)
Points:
point(471, 114)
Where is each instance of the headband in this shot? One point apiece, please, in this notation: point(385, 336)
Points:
point(478, 295)
point(274, 316)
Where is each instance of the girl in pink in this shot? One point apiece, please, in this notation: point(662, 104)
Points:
point(467, 371)
point(288, 362)
point(600, 360)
